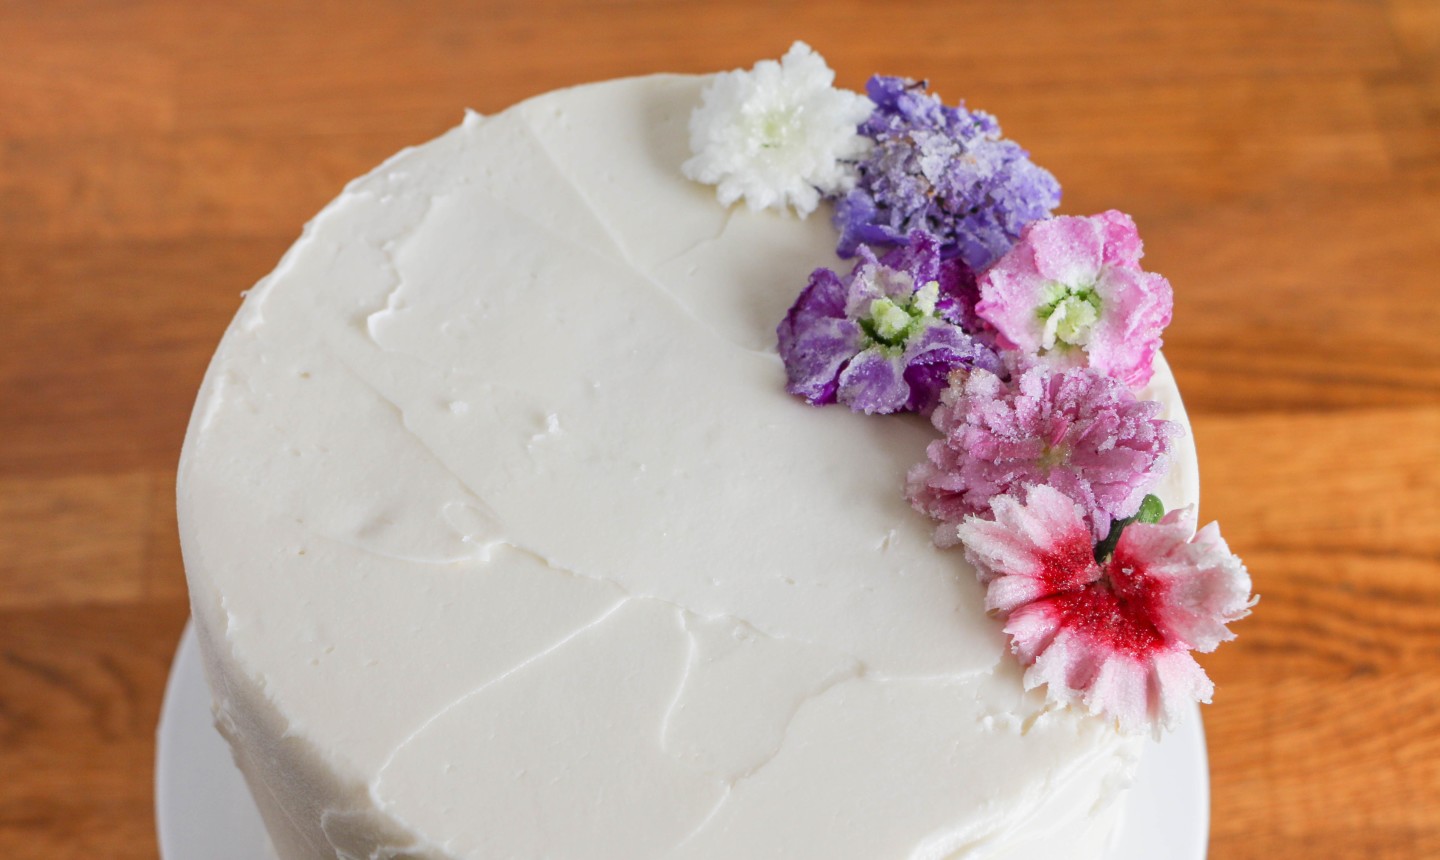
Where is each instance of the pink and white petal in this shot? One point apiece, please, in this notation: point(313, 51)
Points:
point(1082, 493)
point(1067, 666)
point(1225, 581)
point(1139, 692)
point(1121, 690)
point(1007, 593)
point(996, 549)
point(1147, 546)
point(1009, 293)
point(1178, 681)
point(1050, 519)
point(927, 490)
point(1050, 667)
point(1044, 540)
point(1135, 308)
point(1069, 249)
point(1199, 586)
point(1122, 240)
point(1032, 629)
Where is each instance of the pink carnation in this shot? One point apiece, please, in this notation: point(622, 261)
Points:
point(1071, 292)
point(1076, 430)
point(1115, 636)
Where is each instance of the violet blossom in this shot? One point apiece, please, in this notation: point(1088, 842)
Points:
point(944, 170)
point(886, 337)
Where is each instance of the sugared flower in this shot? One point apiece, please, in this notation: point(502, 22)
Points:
point(1072, 293)
point(1112, 636)
point(778, 135)
point(943, 170)
point(1078, 431)
point(886, 337)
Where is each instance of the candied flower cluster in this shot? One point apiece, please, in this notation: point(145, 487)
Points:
point(1112, 635)
point(944, 170)
point(778, 135)
point(1023, 337)
point(1075, 430)
point(886, 337)
point(1071, 292)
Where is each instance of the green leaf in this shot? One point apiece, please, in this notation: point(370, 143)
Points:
point(1151, 511)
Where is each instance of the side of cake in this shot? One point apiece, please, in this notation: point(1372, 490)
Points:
point(505, 539)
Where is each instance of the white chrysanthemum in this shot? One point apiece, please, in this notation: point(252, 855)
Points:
point(779, 134)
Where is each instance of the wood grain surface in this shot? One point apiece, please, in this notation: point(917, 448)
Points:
point(1282, 158)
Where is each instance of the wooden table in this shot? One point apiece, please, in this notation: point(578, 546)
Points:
point(1282, 160)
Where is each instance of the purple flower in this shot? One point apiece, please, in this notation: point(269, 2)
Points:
point(1077, 431)
point(886, 337)
point(943, 170)
point(1072, 293)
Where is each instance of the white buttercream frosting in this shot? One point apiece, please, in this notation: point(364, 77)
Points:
point(504, 539)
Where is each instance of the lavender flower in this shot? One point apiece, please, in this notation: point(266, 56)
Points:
point(943, 170)
point(1078, 431)
point(886, 337)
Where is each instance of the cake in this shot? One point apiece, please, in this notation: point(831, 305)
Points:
point(505, 538)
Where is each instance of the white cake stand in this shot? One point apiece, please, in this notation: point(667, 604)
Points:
point(204, 811)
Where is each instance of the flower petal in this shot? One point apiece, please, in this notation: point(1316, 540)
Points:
point(1071, 293)
point(1123, 247)
point(1196, 586)
point(1068, 249)
point(1178, 681)
point(1076, 431)
point(874, 382)
point(1031, 550)
point(1010, 291)
point(1115, 638)
point(779, 134)
point(892, 308)
point(944, 170)
point(920, 256)
point(1033, 628)
point(816, 358)
point(816, 340)
point(1138, 307)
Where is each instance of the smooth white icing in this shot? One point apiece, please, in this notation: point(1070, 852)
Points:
point(504, 540)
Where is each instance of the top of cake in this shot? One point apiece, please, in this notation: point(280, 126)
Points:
point(505, 538)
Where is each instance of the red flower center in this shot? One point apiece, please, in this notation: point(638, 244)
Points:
point(1105, 618)
point(1114, 606)
point(1070, 565)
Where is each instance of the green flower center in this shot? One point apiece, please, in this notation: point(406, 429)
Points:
point(775, 128)
point(1054, 455)
point(1068, 314)
point(892, 322)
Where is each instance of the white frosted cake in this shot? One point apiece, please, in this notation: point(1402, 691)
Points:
point(505, 540)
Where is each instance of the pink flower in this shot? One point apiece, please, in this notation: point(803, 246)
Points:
point(1078, 431)
point(1071, 292)
point(1114, 636)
